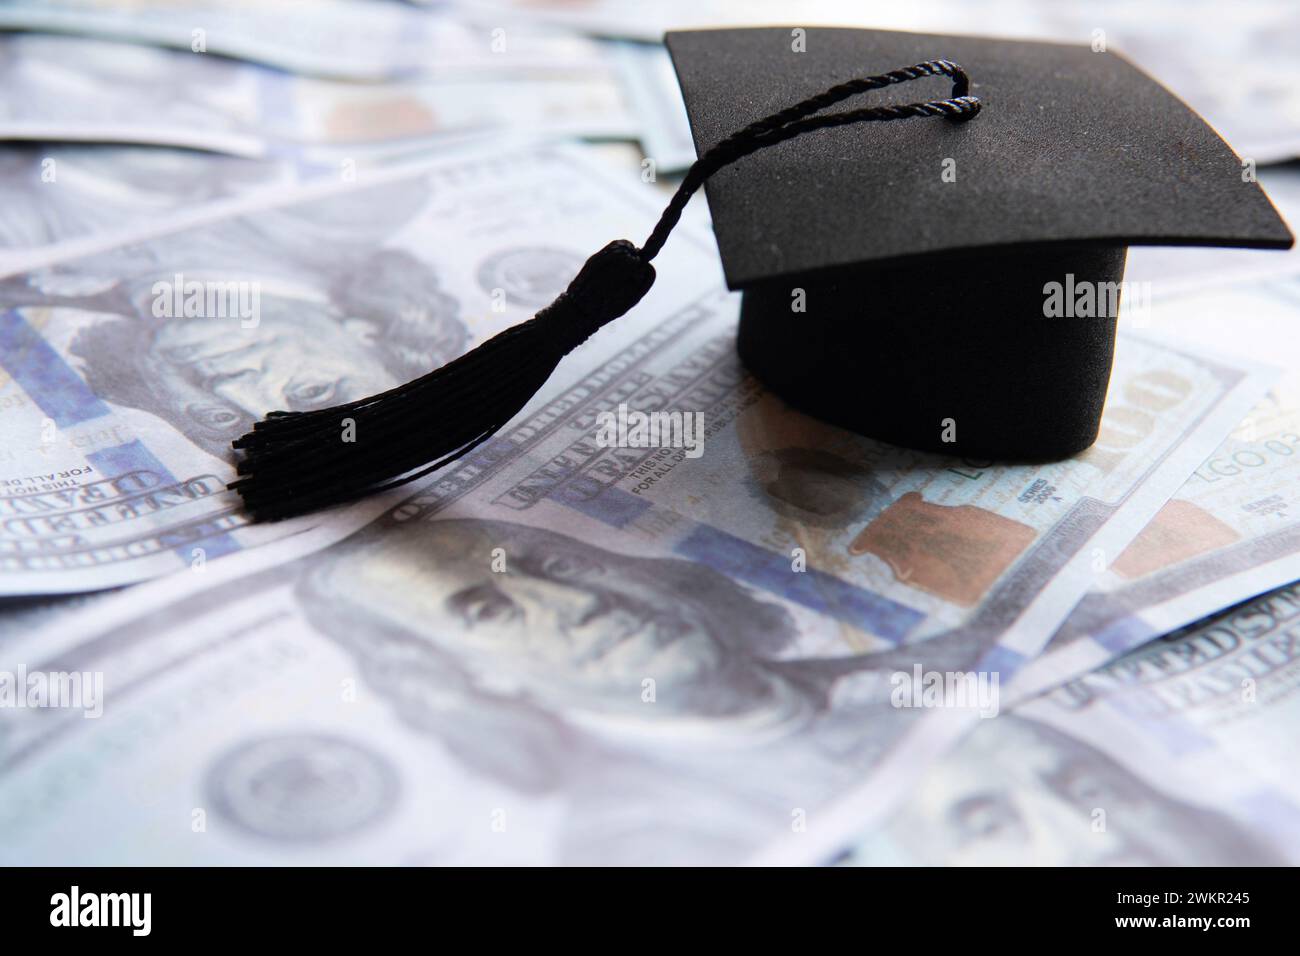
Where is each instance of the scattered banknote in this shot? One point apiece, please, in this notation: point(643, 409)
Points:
point(656, 100)
point(67, 201)
point(63, 88)
point(1233, 530)
point(19, 616)
point(341, 39)
point(1230, 533)
point(53, 194)
point(1182, 752)
point(127, 373)
point(565, 649)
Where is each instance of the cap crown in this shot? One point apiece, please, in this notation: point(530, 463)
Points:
point(1072, 146)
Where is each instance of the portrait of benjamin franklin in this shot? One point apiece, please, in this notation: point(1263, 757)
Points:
point(497, 632)
point(1019, 792)
point(645, 693)
point(563, 623)
point(383, 321)
point(341, 315)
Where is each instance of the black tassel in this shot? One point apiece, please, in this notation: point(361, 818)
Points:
point(298, 462)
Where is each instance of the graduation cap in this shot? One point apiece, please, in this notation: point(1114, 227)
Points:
point(914, 281)
point(953, 288)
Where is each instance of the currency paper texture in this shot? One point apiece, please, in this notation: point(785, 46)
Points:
point(353, 40)
point(86, 90)
point(54, 195)
point(119, 402)
point(567, 650)
point(1231, 532)
point(1181, 753)
point(659, 617)
point(1022, 789)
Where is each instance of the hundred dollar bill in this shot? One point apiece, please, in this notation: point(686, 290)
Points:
point(1183, 752)
point(127, 373)
point(1232, 531)
point(20, 616)
point(343, 39)
point(68, 201)
point(574, 648)
point(63, 88)
point(55, 194)
point(652, 91)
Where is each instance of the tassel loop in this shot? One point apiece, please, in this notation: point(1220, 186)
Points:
point(296, 462)
point(607, 286)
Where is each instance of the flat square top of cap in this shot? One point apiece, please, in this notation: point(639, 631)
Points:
point(1070, 146)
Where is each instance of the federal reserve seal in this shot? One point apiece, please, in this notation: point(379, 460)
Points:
point(531, 277)
point(301, 787)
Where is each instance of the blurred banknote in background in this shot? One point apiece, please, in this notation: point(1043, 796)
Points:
point(87, 90)
point(344, 39)
point(653, 95)
point(55, 194)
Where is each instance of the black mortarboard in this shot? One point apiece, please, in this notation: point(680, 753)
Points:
point(923, 249)
point(895, 274)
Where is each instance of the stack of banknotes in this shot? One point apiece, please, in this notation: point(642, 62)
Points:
point(785, 644)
